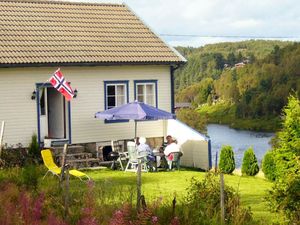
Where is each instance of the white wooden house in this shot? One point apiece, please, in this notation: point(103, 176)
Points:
point(107, 53)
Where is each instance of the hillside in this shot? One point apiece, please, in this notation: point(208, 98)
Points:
point(209, 61)
point(249, 95)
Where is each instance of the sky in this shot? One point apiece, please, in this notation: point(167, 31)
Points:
point(199, 22)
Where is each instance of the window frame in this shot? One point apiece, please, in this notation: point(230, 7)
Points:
point(111, 83)
point(145, 82)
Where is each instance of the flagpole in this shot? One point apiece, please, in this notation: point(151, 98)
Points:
point(43, 84)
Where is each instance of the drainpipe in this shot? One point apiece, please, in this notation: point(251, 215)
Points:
point(172, 70)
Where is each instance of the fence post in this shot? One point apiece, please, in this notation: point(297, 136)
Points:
point(63, 162)
point(222, 204)
point(139, 184)
point(216, 162)
point(66, 192)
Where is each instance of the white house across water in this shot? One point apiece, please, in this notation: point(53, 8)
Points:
point(109, 56)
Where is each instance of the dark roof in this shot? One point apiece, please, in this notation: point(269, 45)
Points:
point(46, 32)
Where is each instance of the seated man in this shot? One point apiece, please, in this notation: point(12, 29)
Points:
point(171, 148)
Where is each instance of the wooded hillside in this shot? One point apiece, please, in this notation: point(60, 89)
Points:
point(254, 77)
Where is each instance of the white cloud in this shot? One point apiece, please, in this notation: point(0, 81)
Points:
point(247, 23)
point(264, 18)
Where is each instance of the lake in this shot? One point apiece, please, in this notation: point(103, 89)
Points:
point(240, 140)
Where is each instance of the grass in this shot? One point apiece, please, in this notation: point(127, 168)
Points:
point(113, 188)
point(166, 185)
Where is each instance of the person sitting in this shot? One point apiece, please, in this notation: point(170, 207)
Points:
point(172, 147)
point(143, 149)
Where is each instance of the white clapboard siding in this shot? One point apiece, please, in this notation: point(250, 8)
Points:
point(20, 112)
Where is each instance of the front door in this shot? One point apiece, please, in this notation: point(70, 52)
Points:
point(56, 114)
point(52, 114)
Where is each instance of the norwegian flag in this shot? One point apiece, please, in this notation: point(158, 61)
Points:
point(59, 82)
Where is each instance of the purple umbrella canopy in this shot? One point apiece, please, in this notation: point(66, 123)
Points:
point(134, 111)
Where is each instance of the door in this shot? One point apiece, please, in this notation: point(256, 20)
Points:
point(56, 114)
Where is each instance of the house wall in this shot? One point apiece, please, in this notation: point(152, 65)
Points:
point(20, 112)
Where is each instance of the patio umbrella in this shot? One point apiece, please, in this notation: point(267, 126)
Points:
point(137, 111)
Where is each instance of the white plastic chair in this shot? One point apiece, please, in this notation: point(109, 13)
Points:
point(133, 158)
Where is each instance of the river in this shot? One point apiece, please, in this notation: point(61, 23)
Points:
point(240, 140)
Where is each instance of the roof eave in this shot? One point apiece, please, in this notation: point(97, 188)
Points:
point(13, 65)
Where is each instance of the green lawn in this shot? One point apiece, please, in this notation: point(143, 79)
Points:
point(167, 184)
point(114, 188)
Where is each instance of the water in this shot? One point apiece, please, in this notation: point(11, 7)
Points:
point(240, 140)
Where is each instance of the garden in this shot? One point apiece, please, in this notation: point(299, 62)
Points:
point(187, 196)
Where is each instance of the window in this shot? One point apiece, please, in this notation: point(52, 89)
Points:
point(146, 91)
point(115, 95)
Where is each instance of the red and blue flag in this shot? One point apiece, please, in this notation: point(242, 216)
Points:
point(59, 82)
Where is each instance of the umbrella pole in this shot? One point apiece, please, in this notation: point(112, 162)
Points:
point(139, 175)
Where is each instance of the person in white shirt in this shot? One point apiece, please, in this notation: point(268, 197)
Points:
point(171, 148)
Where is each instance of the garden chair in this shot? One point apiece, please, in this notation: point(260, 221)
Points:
point(175, 161)
point(55, 170)
point(133, 158)
point(123, 156)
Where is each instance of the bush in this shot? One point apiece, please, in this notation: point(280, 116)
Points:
point(285, 198)
point(250, 165)
point(202, 204)
point(13, 156)
point(34, 149)
point(227, 163)
point(269, 166)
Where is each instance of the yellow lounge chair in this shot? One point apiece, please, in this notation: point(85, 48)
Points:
point(55, 170)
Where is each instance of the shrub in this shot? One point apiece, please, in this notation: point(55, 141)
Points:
point(202, 204)
point(34, 149)
point(29, 176)
point(250, 165)
point(285, 198)
point(285, 195)
point(227, 163)
point(269, 166)
point(13, 156)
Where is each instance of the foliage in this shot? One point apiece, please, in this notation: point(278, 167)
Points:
point(269, 166)
point(288, 143)
point(29, 176)
point(285, 197)
point(13, 156)
point(192, 119)
point(224, 112)
point(111, 191)
point(209, 61)
point(203, 203)
point(34, 149)
point(21, 207)
point(258, 90)
point(249, 165)
point(227, 163)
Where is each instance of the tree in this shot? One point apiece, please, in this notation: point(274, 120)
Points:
point(289, 139)
point(285, 197)
point(192, 118)
point(269, 166)
point(227, 163)
point(250, 165)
